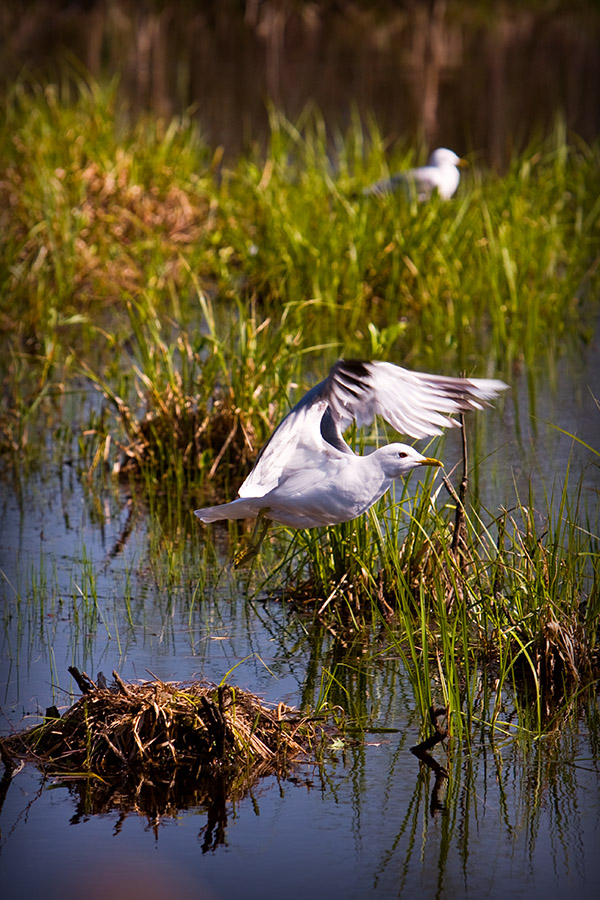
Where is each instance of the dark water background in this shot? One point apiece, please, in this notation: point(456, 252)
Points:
point(480, 77)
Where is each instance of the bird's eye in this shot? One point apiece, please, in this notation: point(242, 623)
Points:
point(402, 455)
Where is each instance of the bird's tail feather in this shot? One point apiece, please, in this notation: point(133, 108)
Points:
point(238, 509)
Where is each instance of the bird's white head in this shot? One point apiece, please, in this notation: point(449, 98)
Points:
point(444, 157)
point(400, 459)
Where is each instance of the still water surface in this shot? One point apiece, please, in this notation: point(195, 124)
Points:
point(517, 819)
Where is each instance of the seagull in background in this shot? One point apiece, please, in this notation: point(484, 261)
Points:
point(441, 174)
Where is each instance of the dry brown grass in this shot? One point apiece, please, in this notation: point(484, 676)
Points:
point(119, 226)
point(155, 748)
point(158, 727)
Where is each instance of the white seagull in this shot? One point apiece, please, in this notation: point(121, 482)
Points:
point(306, 475)
point(441, 173)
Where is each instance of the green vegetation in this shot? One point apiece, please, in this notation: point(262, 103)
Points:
point(509, 616)
point(171, 303)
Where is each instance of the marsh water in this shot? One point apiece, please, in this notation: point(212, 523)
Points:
point(90, 578)
point(94, 576)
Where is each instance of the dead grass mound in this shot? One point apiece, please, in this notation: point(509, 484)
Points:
point(156, 727)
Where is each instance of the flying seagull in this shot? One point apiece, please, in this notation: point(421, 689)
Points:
point(441, 172)
point(306, 475)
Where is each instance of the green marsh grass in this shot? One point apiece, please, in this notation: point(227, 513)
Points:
point(97, 207)
point(115, 229)
point(492, 269)
point(193, 407)
point(190, 293)
point(510, 616)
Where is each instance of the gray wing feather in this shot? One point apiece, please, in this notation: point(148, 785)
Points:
point(414, 403)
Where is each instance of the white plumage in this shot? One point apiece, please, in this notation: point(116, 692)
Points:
point(306, 474)
point(441, 173)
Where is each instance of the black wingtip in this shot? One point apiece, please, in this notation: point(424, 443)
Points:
point(351, 373)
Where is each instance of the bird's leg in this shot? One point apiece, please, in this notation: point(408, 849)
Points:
point(250, 552)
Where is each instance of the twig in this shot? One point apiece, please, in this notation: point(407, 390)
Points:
point(421, 750)
point(460, 506)
point(121, 684)
point(83, 681)
point(459, 499)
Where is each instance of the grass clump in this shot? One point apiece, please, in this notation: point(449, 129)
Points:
point(483, 614)
point(158, 726)
point(193, 407)
point(92, 207)
point(154, 748)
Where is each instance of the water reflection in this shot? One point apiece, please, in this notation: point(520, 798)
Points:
point(156, 802)
point(524, 814)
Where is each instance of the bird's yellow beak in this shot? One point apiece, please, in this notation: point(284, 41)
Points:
point(430, 461)
point(462, 163)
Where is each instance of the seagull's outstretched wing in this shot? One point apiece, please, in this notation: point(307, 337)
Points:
point(297, 442)
point(414, 403)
